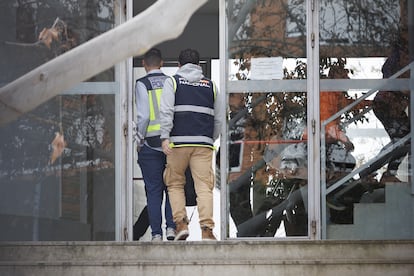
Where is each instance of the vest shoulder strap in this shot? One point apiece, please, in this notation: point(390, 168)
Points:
point(174, 81)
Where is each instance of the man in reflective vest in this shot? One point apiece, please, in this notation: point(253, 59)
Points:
point(151, 159)
point(191, 114)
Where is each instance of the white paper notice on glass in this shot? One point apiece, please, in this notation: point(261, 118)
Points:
point(266, 68)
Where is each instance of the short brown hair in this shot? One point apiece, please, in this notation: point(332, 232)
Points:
point(153, 57)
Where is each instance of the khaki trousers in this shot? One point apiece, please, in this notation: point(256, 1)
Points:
point(199, 159)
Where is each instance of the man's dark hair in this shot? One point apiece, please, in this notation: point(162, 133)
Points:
point(153, 57)
point(189, 56)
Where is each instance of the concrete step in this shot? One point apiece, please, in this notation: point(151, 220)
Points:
point(230, 257)
point(393, 219)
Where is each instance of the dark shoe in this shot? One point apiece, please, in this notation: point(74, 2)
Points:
point(207, 234)
point(181, 230)
point(170, 233)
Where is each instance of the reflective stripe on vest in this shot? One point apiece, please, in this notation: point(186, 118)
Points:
point(192, 108)
point(154, 126)
point(194, 139)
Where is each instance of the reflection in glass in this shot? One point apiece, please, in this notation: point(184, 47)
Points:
point(34, 32)
point(373, 187)
point(267, 148)
point(271, 186)
point(266, 29)
point(56, 162)
point(57, 171)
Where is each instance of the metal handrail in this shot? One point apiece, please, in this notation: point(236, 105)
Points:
point(335, 116)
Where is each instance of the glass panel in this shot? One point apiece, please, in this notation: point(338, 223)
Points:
point(34, 32)
point(366, 175)
point(57, 171)
point(267, 147)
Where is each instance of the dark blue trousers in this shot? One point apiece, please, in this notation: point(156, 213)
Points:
point(152, 164)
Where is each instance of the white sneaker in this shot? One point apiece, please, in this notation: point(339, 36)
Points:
point(170, 232)
point(156, 238)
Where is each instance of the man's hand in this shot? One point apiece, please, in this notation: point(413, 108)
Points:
point(166, 146)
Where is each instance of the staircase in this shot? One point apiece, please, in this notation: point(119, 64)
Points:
point(393, 219)
point(230, 257)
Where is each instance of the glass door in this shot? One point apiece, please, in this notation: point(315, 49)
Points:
point(267, 122)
